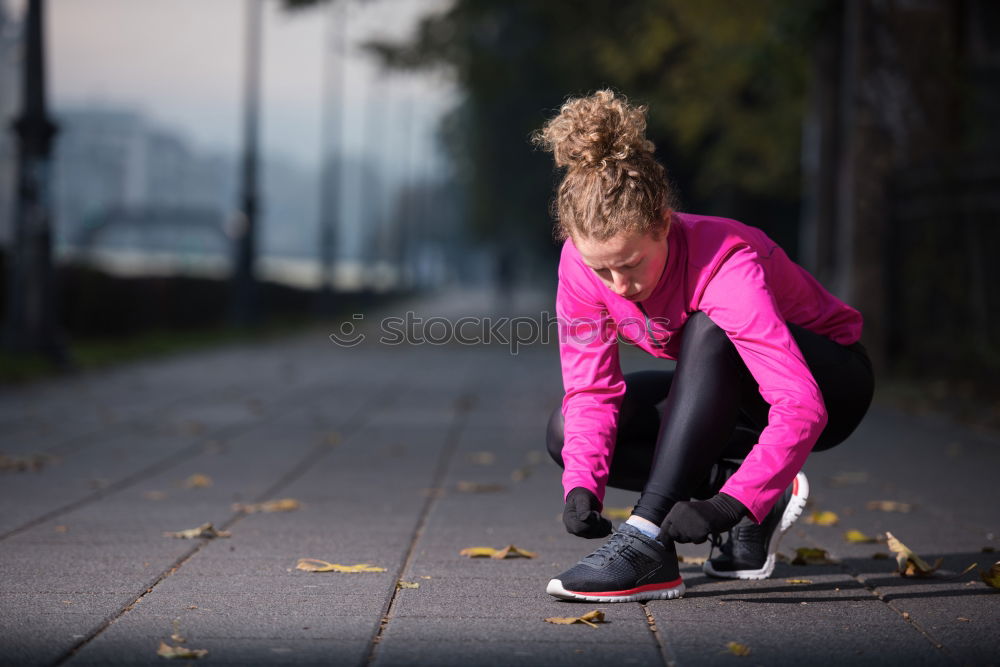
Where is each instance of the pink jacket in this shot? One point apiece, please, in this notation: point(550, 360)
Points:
point(749, 287)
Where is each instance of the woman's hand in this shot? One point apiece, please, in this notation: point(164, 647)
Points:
point(693, 521)
point(582, 515)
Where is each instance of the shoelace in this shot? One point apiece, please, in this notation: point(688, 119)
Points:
point(609, 550)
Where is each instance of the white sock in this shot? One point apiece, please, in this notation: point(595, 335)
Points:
point(645, 526)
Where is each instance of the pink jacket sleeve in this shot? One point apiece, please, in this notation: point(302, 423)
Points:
point(594, 385)
point(740, 302)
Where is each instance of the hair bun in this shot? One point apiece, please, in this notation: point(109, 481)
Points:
point(592, 132)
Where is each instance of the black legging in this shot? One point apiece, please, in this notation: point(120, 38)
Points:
point(678, 431)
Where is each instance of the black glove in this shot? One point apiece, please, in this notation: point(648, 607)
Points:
point(694, 521)
point(582, 515)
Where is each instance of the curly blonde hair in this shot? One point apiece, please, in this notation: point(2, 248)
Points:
point(613, 184)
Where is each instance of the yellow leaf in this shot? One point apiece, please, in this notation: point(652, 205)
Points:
point(591, 618)
point(281, 505)
point(695, 560)
point(316, 565)
point(509, 551)
point(909, 563)
point(857, 537)
point(810, 556)
point(61, 529)
point(992, 577)
point(198, 481)
point(407, 584)
point(889, 506)
point(826, 518)
point(179, 652)
point(738, 649)
point(798, 582)
point(204, 530)
point(620, 513)
point(479, 487)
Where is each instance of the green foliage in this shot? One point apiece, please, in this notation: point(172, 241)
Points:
point(725, 82)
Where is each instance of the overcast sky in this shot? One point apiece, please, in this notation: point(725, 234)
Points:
point(181, 63)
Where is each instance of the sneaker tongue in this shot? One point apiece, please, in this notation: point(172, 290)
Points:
point(629, 529)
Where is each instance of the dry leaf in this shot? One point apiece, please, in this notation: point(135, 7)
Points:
point(694, 560)
point(180, 652)
point(889, 506)
point(316, 565)
point(479, 487)
point(29, 462)
point(154, 495)
point(591, 618)
point(281, 505)
point(848, 479)
point(857, 537)
point(826, 518)
point(509, 551)
point(198, 481)
point(798, 582)
point(204, 530)
point(407, 584)
point(520, 474)
point(620, 513)
point(61, 529)
point(737, 649)
point(811, 556)
point(909, 563)
point(991, 577)
point(482, 458)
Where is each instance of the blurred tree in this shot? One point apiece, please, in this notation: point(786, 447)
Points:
point(725, 83)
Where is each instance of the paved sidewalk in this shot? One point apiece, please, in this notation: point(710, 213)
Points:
point(380, 444)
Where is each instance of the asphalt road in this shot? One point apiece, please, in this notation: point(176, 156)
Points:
point(400, 456)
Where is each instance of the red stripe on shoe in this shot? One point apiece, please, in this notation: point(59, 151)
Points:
point(795, 486)
point(639, 589)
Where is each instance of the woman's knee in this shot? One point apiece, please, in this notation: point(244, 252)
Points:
point(703, 336)
point(554, 436)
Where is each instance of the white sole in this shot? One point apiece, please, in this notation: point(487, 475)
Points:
point(555, 588)
point(796, 505)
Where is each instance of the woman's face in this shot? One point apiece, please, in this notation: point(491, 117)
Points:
point(629, 264)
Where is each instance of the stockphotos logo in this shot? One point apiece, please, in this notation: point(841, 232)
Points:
point(513, 332)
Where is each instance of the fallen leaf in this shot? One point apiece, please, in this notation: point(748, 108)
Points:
point(910, 564)
point(198, 481)
point(991, 577)
point(520, 474)
point(798, 582)
point(204, 530)
point(180, 652)
point(479, 487)
point(316, 565)
point(281, 505)
point(482, 458)
point(906, 615)
point(620, 513)
point(737, 649)
point(154, 495)
point(509, 551)
point(694, 560)
point(591, 618)
point(811, 556)
point(848, 479)
point(61, 529)
point(857, 537)
point(889, 506)
point(425, 576)
point(826, 518)
point(407, 584)
point(29, 462)
point(963, 619)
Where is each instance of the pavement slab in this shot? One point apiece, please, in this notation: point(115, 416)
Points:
point(402, 455)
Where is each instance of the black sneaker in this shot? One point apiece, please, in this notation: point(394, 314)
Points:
point(628, 568)
point(750, 551)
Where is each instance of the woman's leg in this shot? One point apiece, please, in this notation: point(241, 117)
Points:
point(668, 443)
